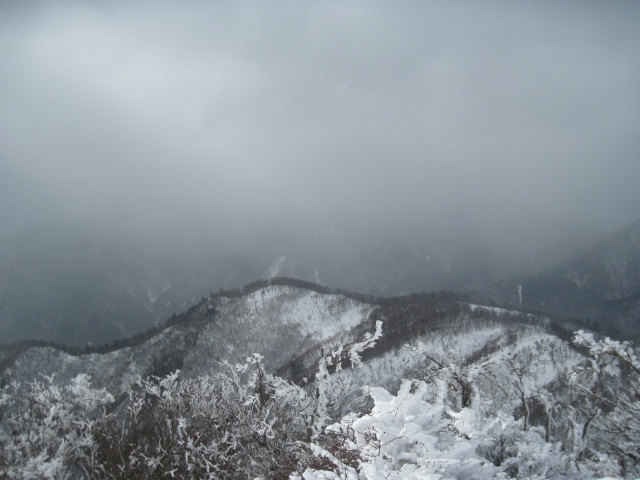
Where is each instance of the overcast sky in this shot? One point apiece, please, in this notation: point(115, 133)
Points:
point(164, 116)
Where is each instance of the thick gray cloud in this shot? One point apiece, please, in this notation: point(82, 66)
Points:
point(159, 117)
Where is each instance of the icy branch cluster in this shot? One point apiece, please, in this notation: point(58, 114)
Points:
point(507, 414)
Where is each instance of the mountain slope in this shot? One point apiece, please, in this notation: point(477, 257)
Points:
point(451, 389)
point(276, 320)
point(602, 286)
point(77, 287)
point(287, 321)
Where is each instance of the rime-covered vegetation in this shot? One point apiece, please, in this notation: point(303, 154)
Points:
point(286, 382)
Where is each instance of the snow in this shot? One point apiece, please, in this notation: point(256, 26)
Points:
point(418, 427)
point(279, 321)
point(275, 269)
point(388, 369)
point(151, 296)
point(321, 315)
point(496, 310)
point(417, 437)
point(411, 439)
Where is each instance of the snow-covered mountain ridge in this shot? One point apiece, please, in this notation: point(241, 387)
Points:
point(283, 321)
point(446, 388)
point(276, 320)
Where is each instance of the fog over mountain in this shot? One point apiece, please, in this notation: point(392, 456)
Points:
point(381, 147)
point(320, 240)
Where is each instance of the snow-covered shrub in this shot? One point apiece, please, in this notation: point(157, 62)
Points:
point(525, 453)
point(501, 416)
point(417, 434)
point(450, 369)
point(48, 431)
point(239, 424)
point(608, 418)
